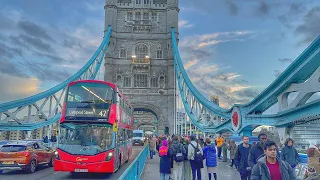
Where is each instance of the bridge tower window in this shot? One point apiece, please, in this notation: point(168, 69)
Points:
point(141, 50)
point(138, 1)
point(146, 1)
point(127, 82)
point(145, 16)
point(122, 53)
point(154, 82)
point(129, 16)
point(140, 81)
point(159, 54)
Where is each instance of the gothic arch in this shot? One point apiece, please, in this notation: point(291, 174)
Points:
point(141, 50)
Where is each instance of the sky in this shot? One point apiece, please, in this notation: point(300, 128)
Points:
point(230, 48)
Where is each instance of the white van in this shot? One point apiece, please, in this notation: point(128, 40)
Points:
point(138, 137)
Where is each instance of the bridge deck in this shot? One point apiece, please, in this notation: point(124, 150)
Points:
point(151, 170)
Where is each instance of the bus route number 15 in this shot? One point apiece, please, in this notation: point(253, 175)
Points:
point(103, 113)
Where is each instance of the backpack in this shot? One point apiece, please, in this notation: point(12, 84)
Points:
point(179, 155)
point(198, 157)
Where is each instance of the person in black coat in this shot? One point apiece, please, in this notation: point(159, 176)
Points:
point(241, 158)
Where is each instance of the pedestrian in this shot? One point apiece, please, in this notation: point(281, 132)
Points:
point(290, 154)
point(165, 163)
point(194, 155)
point(178, 154)
point(186, 164)
point(270, 167)
point(219, 141)
point(257, 150)
point(224, 151)
point(203, 171)
point(232, 148)
point(210, 154)
point(241, 158)
point(152, 145)
point(313, 153)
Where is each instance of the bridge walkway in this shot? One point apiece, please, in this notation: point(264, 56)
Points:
point(151, 170)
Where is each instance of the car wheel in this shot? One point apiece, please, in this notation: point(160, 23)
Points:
point(32, 167)
point(51, 163)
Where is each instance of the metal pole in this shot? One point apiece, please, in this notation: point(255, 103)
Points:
point(174, 116)
point(190, 126)
point(185, 124)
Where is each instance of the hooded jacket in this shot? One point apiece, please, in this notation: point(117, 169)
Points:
point(261, 171)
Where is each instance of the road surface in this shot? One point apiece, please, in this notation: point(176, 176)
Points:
point(47, 173)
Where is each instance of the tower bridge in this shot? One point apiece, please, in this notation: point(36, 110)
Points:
point(140, 54)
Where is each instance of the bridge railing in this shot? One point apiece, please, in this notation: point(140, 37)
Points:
point(134, 171)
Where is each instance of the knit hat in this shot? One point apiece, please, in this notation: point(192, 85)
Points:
point(164, 142)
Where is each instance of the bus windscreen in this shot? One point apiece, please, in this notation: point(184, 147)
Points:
point(88, 100)
point(85, 139)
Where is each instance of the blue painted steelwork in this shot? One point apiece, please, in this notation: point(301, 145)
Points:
point(251, 113)
point(88, 71)
point(134, 171)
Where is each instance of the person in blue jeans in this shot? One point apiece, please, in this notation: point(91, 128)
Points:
point(152, 145)
point(195, 166)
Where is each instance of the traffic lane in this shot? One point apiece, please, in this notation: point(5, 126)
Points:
point(47, 173)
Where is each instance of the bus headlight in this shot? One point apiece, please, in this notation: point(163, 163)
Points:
point(109, 156)
point(56, 154)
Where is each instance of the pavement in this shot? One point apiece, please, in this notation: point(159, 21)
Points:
point(47, 173)
point(151, 170)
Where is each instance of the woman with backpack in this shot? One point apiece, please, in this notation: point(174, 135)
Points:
point(165, 162)
point(195, 156)
point(211, 159)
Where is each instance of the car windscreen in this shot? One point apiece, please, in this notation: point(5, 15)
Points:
point(12, 148)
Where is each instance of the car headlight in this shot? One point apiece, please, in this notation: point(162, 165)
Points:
point(56, 154)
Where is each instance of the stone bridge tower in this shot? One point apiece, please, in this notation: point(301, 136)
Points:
point(139, 58)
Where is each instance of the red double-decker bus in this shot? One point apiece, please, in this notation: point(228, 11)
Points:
point(95, 130)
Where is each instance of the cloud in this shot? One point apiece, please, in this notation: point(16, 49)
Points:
point(190, 63)
point(309, 29)
point(232, 7)
point(11, 68)
point(44, 72)
point(34, 30)
point(13, 87)
point(184, 24)
point(204, 40)
point(228, 90)
point(263, 8)
point(285, 60)
point(37, 43)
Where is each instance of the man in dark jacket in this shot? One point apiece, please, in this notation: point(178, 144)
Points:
point(289, 153)
point(257, 150)
point(270, 167)
point(241, 158)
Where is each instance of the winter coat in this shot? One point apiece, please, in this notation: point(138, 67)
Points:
point(232, 148)
point(177, 147)
point(241, 158)
point(255, 152)
point(191, 150)
point(152, 144)
point(314, 158)
point(185, 146)
point(290, 155)
point(261, 171)
point(210, 154)
point(165, 162)
point(219, 141)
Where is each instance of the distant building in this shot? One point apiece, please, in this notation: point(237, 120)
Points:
point(214, 99)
